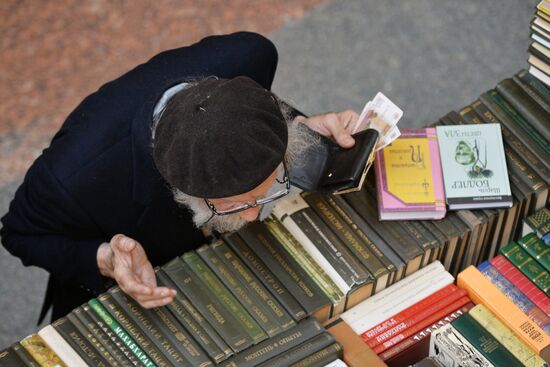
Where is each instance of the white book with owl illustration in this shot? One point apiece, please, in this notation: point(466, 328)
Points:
point(474, 166)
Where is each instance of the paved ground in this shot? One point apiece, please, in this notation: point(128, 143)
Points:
point(428, 56)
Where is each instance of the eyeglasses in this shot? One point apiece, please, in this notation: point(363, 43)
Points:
point(272, 197)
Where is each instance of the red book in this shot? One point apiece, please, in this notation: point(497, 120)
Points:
point(524, 284)
point(421, 325)
point(408, 312)
point(415, 319)
point(416, 347)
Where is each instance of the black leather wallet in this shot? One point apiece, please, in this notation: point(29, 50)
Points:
point(329, 168)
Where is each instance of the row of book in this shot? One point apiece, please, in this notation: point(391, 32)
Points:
point(539, 50)
point(425, 311)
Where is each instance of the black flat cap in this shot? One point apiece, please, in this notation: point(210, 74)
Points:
point(220, 138)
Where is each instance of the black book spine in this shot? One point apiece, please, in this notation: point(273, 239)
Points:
point(24, 356)
point(188, 316)
point(269, 280)
point(79, 343)
point(323, 357)
point(533, 92)
point(94, 332)
point(302, 287)
point(133, 329)
point(535, 84)
point(9, 358)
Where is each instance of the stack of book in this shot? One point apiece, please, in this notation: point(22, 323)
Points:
point(539, 50)
point(510, 324)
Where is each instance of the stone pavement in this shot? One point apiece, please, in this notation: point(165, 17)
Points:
point(428, 56)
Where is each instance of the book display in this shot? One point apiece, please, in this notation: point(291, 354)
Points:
point(439, 256)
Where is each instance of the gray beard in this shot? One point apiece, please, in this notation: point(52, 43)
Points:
point(202, 215)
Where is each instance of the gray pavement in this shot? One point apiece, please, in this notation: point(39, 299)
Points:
point(428, 56)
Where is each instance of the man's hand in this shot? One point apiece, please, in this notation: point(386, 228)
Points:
point(124, 260)
point(337, 125)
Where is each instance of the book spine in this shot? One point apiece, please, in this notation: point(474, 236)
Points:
point(535, 84)
point(510, 272)
point(255, 287)
point(133, 330)
point(528, 108)
point(147, 327)
point(302, 288)
point(391, 262)
point(265, 275)
point(481, 290)
point(508, 339)
point(24, 356)
point(87, 345)
point(418, 344)
point(531, 91)
point(228, 278)
point(300, 351)
point(207, 304)
point(449, 347)
point(514, 294)
point(527, 265)
point(415, 319)
point(40, 351)
point(61, 347)
point(314, 269)
point(101, 332)
point(323, 357)
point(200, 330)
point(537, 249)
point(484, 341)
point(281, 343)
point(439, 314)
point(121, 333)
point(540, 221)
point(489, 110)
point(9, 358)
point(350, 240)
point(409, 312)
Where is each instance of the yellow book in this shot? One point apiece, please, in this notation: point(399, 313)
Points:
point(481, 290)
point(40, 351)
point(506, 337)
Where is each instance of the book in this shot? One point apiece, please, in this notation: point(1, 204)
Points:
point(484, 341)
point(323, 357)
point(474, 167)
point(398, 297)
point(515, 295)
point(538, 222)
point(531, 85)
point(506, 337)
point(41, 352)
point(537, 249)
point(58, 344)
point(516, 277)
point(527, 265)
point(480, 290)
point(450, 348)
point(24, 355)
point(356, 352)
point(409, 181)
point(539, 74)
point(418, 345)
point(8, 358)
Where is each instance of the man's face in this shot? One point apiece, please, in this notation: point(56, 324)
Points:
point(464, 154)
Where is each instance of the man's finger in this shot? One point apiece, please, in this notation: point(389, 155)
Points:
point(157, 303)
point(134, 288)
point(341, 135)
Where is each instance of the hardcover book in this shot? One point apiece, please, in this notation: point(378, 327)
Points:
point(474, 166)
point(409, 182)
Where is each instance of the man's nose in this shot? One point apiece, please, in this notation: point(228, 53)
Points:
point(250, 214)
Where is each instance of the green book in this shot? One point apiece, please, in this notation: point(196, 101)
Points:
point(538, 222)
point(484, 341)
point(474, 166)
point(537, 249)
point(121, 333)
point(527, 265)
point(207, 276)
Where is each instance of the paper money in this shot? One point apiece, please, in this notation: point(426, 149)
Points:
point(382, 115)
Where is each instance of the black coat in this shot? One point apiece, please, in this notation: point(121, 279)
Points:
point(97, 178)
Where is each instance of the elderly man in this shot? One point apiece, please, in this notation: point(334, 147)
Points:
point(190, 142)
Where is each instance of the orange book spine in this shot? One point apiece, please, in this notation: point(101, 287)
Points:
point(408, 312)
point(416, 318)
point(481, 290)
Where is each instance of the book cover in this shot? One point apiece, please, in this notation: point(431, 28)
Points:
point(61, 347)
point(481, 290)
point(41, 352)
point(537, 249)
point(474, 166)
point(527, 265)
point(324, 357)
point(409, 181)
point(538, 222)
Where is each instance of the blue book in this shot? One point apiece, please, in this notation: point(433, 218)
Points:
point(515, 295)
point(546, 239)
